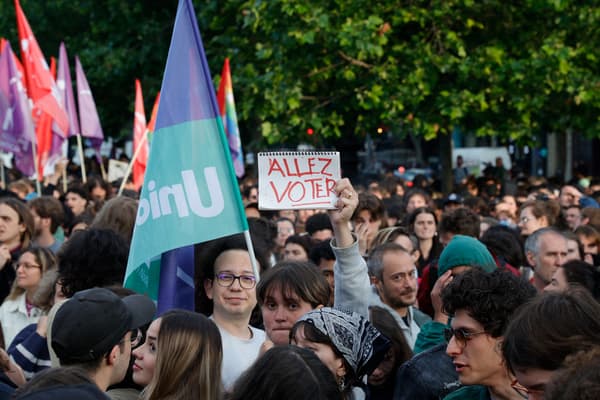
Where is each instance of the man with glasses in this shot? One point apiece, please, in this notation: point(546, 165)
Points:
point(231, 285)
point(481, 304)
point(95, 330)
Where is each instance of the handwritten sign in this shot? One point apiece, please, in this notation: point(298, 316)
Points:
point(297, 180)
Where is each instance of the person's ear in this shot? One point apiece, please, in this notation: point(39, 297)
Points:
point(416, 254)
point(530, 258)
point(585, 220)
point(111, 358)
point(340, 367)
point(208, 286)
point(378, 285)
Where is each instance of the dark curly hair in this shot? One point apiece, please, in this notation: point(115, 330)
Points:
point(490, 298)
point(460, 221)
point(92, 258)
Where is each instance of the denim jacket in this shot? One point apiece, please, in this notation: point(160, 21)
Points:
point(429, 375)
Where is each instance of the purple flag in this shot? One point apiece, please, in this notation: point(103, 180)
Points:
point(65, 88)
point(90, 122)
point(67, 101)
point(176, 288)
point(17, 133)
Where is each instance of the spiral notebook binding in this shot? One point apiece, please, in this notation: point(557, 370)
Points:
point(297, 153)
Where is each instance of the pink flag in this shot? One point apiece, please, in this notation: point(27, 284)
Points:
point(139, 139)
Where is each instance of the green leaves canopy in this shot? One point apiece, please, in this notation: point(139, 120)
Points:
point(346, 67)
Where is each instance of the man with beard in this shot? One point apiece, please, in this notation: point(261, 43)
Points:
point(48, 215)
point(394, 275)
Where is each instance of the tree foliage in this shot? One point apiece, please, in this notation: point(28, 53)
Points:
point(116, 42)
point(489, 67)
point(513, 70)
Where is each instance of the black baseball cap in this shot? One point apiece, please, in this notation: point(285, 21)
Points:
point(90, 323)
point(453, 198)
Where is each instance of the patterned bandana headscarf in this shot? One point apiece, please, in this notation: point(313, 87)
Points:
point(361, 345)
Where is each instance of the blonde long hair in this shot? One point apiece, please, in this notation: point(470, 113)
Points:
point(188, 360)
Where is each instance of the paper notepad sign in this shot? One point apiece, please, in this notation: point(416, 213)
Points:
point(296, 180)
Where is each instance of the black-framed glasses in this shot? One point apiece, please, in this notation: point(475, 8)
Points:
point(461, 335)
point(226, 280)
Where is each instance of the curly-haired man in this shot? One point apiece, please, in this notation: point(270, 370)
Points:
point(481, 304)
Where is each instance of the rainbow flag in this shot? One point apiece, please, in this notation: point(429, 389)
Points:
point(229, 117)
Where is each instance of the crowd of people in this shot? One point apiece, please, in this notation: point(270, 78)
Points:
point(399, 292)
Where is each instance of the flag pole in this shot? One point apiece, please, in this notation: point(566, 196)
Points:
point(64, 179)
point(102, 169)
point(82, 160)
point(37, 170)
point(252, 256)
point(130, 165)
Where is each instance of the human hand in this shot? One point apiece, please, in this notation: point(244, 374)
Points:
point(42, 326)
point(4, 256)
point(436, 297)
point(362, 233)
point(12, 370)
point(346, 203)
point(341, 216)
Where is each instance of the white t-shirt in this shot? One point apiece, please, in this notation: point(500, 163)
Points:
point(239, 354)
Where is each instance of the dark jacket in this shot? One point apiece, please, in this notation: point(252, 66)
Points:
point(429, 375)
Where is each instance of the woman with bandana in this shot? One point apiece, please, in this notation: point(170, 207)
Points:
point(346, 343)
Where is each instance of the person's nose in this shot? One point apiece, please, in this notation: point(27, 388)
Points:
point(453, 349)
point(236, 285)
point(280, 314)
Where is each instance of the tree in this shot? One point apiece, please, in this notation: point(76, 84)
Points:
point(343, 68)
point(492, 68)
point(116, 42)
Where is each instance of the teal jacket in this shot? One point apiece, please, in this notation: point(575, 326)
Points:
point(431, 334)
point(474, 392)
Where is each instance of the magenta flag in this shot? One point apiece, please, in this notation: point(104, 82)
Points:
point(17, 134)
point(88, 115)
